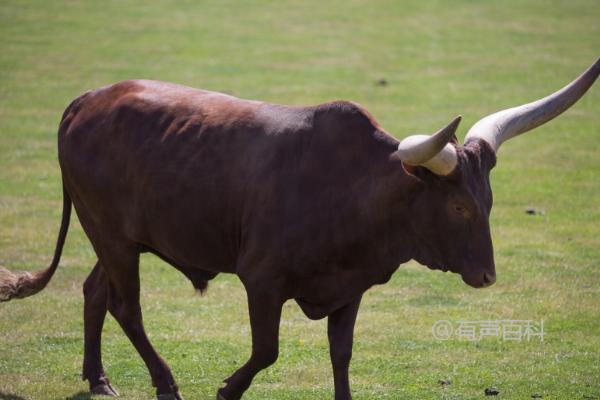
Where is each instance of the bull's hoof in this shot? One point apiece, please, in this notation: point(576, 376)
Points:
point(169, 396)
point(104, 389)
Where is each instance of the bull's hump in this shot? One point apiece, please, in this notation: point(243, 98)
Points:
point(348, 118)
point(299, 118)
point(349, 109)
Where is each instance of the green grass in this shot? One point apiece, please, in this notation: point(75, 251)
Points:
point(440, 59)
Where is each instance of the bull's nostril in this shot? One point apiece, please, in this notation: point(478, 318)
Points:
point(489, 279)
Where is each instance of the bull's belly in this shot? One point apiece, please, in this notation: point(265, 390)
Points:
point(193, 223)
point(322, 294)
point(316, 311)
point(193, 253)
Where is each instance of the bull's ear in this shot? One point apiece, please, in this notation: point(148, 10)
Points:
point(486, 155)
point(432, 152)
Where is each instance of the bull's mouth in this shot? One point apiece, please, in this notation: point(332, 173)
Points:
point(482, 280)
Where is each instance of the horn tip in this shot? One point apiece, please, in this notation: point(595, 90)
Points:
point(454, 124)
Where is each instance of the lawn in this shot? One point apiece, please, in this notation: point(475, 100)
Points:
point(438, 59)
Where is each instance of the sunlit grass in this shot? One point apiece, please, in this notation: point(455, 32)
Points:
point(440, 59)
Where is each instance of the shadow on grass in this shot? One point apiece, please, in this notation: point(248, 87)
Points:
point(9, 396)
point(80, 396)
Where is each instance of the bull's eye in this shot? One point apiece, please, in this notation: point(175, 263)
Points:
point(461, 210)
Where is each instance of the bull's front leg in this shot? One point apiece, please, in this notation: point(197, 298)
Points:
point(340, 331)
point(265, 314)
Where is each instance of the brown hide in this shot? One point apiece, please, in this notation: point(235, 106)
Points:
point(305, 203)
point(219, 184)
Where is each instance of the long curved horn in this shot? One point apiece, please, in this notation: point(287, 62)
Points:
point(503, 125)
point(432, 152)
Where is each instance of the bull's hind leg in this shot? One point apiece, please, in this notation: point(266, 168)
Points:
point(94, 311)
point(120, 263)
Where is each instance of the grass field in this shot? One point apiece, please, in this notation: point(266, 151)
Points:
point(440, 59)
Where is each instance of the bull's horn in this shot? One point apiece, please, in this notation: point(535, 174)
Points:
point(503, 125)
point(432, 152)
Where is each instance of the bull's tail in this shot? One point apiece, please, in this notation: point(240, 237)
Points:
point(26, 284)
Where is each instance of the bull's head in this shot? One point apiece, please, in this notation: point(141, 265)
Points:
point(453, 214)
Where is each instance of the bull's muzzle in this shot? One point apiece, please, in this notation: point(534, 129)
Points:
point(480, 280)
point(488, 279)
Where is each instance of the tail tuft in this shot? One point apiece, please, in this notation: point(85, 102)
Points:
point(18, 286)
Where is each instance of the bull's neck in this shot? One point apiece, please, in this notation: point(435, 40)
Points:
point(389, 214)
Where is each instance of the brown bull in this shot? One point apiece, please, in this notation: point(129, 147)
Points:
point(315, 204)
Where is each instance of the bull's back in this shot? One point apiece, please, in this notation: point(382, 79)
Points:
point(198, 175)
point(162, 165)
